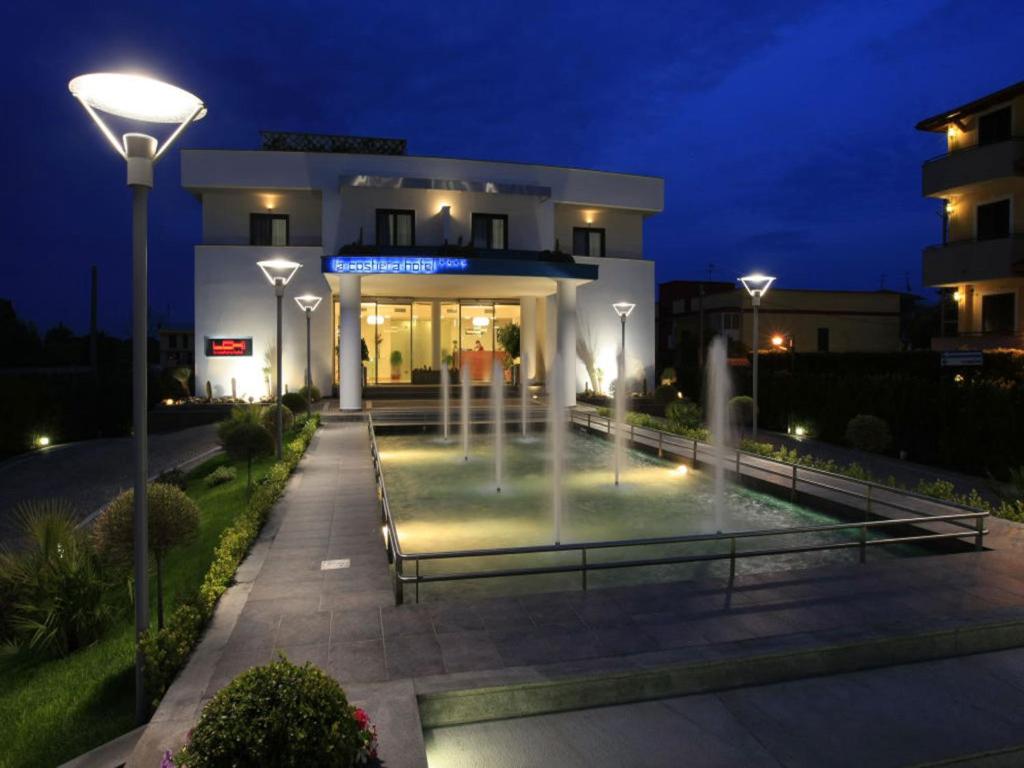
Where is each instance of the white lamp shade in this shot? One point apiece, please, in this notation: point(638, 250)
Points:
point(279, 270)
point(757, 285)
point(136, 97)
point(623, 308)
point(308, 302)
point(481, 322)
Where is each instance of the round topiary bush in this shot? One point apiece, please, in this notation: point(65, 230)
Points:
point(741, 409)
point(665, 394)
point(294, 402)
point(684, 414)
point(315, 391)
point(868, 433)
point(280, 714)
point(270, 418)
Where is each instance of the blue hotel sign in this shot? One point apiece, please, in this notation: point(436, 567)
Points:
point(394, 265)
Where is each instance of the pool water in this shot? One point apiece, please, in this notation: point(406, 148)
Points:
point(442, 502)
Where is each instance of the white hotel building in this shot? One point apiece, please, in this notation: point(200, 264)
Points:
point(423, 259)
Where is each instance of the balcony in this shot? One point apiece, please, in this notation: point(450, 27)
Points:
point(975, 341)
point(973, 260)
point(972, 165)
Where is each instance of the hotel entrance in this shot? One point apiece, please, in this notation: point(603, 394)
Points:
point(406, 341)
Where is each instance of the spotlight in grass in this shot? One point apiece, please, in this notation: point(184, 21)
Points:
point(42, 441)
point(682, 470)
point(800, 431)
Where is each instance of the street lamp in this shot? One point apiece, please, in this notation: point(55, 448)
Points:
point(138, 99)
point(757, 286)
point(622, 309)
point(279, 272)
point(308, 303)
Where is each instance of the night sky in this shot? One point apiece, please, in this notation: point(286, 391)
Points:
point(784, 131)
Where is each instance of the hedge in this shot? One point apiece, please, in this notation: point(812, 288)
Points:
point(167, 650)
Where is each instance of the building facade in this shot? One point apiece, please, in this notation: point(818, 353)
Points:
point(978, 265)
point(804, 320)
point(177, 347)
point(421, 263)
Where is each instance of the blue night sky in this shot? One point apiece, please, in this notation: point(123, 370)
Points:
point(784, 131)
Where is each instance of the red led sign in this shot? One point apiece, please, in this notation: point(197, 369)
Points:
point(229, 347)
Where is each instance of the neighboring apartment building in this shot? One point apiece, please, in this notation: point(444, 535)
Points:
point(177, 347)
point(979, 263)
point(423, 259)
point(812, 321)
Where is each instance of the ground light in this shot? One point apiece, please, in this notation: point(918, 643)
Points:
point(308, 303)
point(279, 273)
point(140, 99)
point(42, 441)
point(757, 286)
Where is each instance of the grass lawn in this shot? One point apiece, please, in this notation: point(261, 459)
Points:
point(55, 710)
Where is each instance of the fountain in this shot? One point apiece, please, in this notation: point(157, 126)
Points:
point(464, 410)
point(498, 414)
point(717, 392)
point(524, 390)
point(446, 400)
point(620, 415)
point(556, 440)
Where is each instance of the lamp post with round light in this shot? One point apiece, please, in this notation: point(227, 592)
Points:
point(308, 303)
point(622, 309)
point(757, 286)
point(137, 98)
point(279, 272)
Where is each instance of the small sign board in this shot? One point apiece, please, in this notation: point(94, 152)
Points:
point(961, 358)
point(237, 347)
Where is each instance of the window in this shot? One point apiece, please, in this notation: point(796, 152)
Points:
point(823, 339)
point(172, 340)
point(994, 220)
point(587, 241)
point(730, 321)
point(997, 313)
point(950, 313)
point(395, 227)
point(490, 230)
point(268, 229)
point(995, 126)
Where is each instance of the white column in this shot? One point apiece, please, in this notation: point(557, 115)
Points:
point(350, 361)
point(435, 335)
point(566, 299)
point(528, 335)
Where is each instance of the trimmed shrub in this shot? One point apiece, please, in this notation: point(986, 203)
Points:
point(279, 714)
point(684, 414)
point(244, 437)
point(665, 394)
point(315, 390)
point(294, 402)
point(741, 409)
point(173, 477)
point(868, 433)
point(173, 521)
point(219, 476)
point(270, 417)
point(52, 589)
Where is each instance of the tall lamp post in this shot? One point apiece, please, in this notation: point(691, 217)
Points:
point(138, 99)
point(279, 272)
point(757, 286)
point(622, 309)
point(308, 304)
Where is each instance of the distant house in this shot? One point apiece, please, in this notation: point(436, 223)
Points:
point(177, 347)
point(978, 266)
point(807, 320)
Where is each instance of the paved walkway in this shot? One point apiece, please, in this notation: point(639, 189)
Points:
point(91, 472)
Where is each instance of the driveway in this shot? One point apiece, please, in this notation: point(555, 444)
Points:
point(91, 472)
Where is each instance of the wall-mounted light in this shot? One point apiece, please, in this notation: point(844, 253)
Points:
point(777, 340)
point(957, 296)
point(442, 206)
point(950, 207)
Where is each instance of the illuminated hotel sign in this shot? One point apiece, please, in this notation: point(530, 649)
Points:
point(394, 265)
point(229, 347)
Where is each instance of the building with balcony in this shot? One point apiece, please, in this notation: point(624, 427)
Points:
point(421, 262)
point(978, 265)
point(801, 320)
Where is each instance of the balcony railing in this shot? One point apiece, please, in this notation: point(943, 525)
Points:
point(976, 341)
point(971, 165)
point(965, 261)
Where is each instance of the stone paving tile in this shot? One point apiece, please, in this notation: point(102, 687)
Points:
point(454, 617)
point(310, 628)
point(355, 624)
point(359, 661)
point(406, 620)
point(522, 646)
point(314, 653)
point(412, 656)
point(468, 651)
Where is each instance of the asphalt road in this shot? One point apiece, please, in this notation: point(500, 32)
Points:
point(91, 472)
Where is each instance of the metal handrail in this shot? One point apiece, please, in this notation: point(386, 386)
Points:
point(976, 531)
point(957, 150)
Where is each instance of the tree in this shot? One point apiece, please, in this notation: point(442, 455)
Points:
point(244, 437)
point(181, 376)
point(508, 338)
point(173, 521)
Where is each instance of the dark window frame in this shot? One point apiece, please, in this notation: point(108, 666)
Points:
point(255, 218)
point(995, 307)
point(381, 233)
point(824, 340)
point(990, 231)
point(992, 132)
point(588, 231)
point(489, 217)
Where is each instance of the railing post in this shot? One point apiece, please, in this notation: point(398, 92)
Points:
point(417, 581)
point(399, 593)
point(588, 422)
point(792, 488)
point(632, 433)
point(695, 453)
point(868, 510)
point(584, 553)
point(660, 433)
point(737, 463)
point(732, 559)
point(979, 537)
point(863, 544)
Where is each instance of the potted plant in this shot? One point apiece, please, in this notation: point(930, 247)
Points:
point(365, 355)
point(396, 365)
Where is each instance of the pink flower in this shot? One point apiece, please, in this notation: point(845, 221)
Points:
point(168, 760)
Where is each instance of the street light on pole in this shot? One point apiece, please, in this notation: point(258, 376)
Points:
point(138, 99)
point(308, 304)
point(279, 273)
point(622, 309)
point(757, 286)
